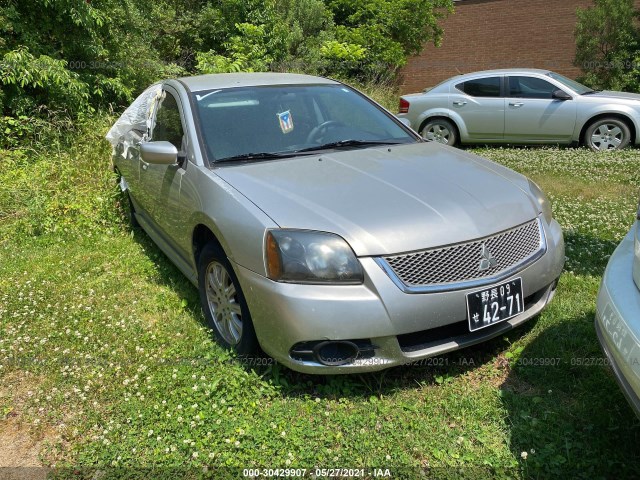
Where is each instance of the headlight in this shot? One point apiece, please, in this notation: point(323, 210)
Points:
point(304, 256)
point(543, 201)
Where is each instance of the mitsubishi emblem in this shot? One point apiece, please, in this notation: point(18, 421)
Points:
point(487, 260)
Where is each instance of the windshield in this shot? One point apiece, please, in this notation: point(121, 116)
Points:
point(572, 84)
point(274, 121)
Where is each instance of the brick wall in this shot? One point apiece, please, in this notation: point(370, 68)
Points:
point(486, 34)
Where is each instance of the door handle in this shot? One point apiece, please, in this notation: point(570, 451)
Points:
point(516, 104)
point(459, 103)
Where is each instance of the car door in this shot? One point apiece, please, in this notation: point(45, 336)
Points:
point(162, 185)
point(533, 115)
point(480, 104)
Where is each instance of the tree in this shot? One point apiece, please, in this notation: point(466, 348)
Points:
point(389, 30)
point(66, 57)
point(608, 45)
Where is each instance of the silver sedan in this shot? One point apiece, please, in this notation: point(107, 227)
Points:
point(319, 227)
point(618, 315)
point(523, 106)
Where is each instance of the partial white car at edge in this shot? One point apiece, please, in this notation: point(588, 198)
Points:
point(618, 315)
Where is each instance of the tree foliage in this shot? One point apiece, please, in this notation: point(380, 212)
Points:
point(608, 45)
point(389, 30)
point(73, 56)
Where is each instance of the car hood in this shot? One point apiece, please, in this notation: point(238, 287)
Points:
point(388, 200)
point(606, 94)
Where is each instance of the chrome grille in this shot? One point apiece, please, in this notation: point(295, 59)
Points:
point(461, 263)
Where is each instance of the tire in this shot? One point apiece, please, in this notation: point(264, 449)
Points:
point(131, 212)
point(607, 134)
point(223, 304)
point(127, 204)
point(441, 131)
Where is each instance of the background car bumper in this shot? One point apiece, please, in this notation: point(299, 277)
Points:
point(391, 327)
point(618, 321)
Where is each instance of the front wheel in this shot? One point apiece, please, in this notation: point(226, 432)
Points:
point(607, 134)
point(223, 303)
point(441, 131)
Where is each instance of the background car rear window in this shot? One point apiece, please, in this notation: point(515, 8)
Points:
point(530, 87)
point(481, 87)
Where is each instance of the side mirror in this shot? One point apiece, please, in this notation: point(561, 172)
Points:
point(160, 153)
point(561, 95)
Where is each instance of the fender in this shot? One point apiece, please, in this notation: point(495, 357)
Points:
point(447, 113)
point(597, 110)
point(244, 222)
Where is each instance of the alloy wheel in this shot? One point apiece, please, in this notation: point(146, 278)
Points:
point(437, 133)
point(607, 137)
point(223, 303)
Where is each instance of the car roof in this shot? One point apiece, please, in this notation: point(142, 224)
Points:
point(505, 71)
point(229, 80)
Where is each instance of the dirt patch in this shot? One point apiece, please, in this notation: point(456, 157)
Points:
point(19, 449)
point(19, 453)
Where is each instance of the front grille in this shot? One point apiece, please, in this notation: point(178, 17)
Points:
point(461, 263)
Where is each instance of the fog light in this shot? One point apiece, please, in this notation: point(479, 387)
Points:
point(335, 353)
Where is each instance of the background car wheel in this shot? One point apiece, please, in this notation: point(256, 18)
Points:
point(223, 303)
point(607, 134)
point(441, 131)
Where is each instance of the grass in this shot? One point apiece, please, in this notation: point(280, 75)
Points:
point(105, 358)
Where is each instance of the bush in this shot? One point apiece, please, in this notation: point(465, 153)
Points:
point(68, 58)
point(68, 186)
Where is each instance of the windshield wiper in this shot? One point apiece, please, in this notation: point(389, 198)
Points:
point(271, 155)
point(349, 143)
point(256, 156)
point(591, 92)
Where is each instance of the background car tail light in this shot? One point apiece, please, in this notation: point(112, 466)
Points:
point(404, 106)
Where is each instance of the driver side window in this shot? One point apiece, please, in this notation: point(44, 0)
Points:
point(168, 126)
point(530, 87)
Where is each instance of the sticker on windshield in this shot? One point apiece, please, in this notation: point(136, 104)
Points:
point(286, 121)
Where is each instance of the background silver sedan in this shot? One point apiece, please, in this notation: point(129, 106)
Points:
point(523, 106)
point(317, 225)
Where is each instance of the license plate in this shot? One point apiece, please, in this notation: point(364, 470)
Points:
point(495, 304)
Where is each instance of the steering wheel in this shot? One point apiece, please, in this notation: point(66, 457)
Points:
point(315, 135)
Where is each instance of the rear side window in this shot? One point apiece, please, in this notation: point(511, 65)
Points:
point(481, 87)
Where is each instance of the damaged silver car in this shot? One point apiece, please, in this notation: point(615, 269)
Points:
point(320, 228)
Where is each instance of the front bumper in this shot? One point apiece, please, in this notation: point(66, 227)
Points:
point(618, 321)
point(399, 327)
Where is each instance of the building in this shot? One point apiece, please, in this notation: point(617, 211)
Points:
point(486, 34)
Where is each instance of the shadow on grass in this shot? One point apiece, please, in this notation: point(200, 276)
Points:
point(433, 371)
point(587, 254)
point(565, 408)
point(170, 275)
